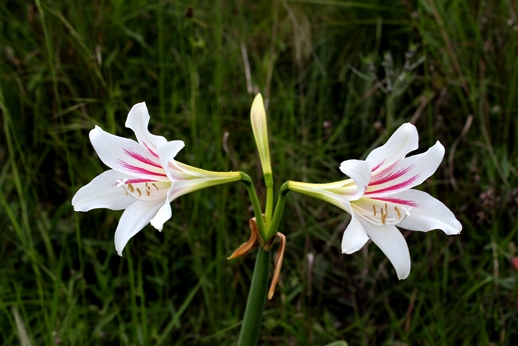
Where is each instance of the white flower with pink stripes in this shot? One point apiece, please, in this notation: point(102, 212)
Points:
point(379, 197)
point(144, 177)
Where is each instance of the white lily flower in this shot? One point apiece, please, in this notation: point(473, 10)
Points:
point(379, 197)
point(144, 177)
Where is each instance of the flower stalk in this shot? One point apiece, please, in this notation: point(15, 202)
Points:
point(267, 228)
point(251, 326)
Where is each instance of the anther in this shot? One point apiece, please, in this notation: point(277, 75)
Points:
point(131, 188)
point(398, 212)
point(383, 216)
point(374, 209)
point(139, 192)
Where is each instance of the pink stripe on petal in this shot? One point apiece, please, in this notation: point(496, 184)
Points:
point(395, 187)
point(150, 150)
point(377, 166)
point(137, 180)
point(140, 170)
point(396, 201)
point(142, 159)
point(391, 176)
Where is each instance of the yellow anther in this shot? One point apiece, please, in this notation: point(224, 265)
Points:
point(398, 212)
point(139, 192)
point(383, 216)
point(386, 209)
point(131, 188)
point(156, 187)
point(374, 209)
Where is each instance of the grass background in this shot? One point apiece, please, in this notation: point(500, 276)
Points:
point(338, 78)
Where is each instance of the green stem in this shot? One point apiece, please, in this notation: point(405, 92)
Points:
point(245, 178)
point(251, 326)
point(279, 208)
point(268, 181)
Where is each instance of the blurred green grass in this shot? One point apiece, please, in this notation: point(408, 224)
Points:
point(338, 78)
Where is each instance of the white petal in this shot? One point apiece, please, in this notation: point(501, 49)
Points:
point(390, 240)
point(167, 152)
point(163, 215)
point(126, 155)
point(103, 192)
point(134, 218)
point(354, 236)
point(138, 120)
point(403, 141)
point(360, 172)
point(407, 173)
point(429, 214)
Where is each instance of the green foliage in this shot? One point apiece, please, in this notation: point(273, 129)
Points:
point(338, 78)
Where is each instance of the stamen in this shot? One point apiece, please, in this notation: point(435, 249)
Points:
point(398, 213)
point(141, 190)
point(383, 216)
point(387, 216)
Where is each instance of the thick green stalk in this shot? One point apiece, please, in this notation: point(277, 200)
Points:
point(251, 326)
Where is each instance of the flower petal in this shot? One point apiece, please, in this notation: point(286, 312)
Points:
point(390, 240)
point(407, 173)
point(360, 172)
point(354, 236)
point(163, 215)
point(126, 155)
point(167, 152)
point(134, 218)
point(138, 120)
point(403, 141)
point(103, 192)
point(429, 214)
point(179, 188)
